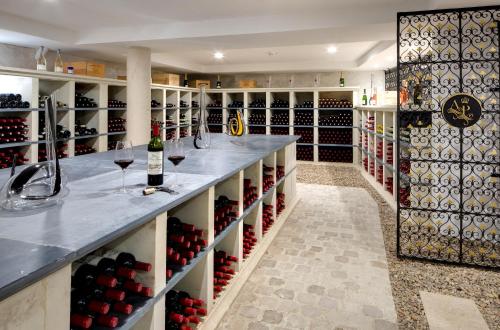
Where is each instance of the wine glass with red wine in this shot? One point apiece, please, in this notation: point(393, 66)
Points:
point(124, 156)
point(175, 154)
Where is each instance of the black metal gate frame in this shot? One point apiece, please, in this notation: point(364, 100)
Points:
point(461, 162)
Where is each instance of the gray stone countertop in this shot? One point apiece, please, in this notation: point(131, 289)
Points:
point(34, 244)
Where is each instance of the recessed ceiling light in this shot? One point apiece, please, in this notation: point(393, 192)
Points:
point(218, 55)
point(331, 50)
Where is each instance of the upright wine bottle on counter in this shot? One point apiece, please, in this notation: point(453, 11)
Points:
point(342, 81)
point(155, 159)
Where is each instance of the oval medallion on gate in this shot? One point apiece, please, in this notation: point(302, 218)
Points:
point(461, 110)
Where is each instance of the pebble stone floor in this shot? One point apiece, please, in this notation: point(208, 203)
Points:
point(326, 268)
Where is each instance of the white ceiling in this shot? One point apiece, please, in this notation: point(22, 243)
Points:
point(183, 34)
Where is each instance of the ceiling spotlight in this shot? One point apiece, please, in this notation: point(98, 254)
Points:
point(218, 55)
point(331, 50)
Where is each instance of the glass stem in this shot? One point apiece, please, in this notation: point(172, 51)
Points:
point(175, 175)
point(123, 180)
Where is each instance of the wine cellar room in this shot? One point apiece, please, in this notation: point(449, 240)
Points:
point(224, 165)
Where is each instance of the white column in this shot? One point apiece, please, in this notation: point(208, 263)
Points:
point(138, 95)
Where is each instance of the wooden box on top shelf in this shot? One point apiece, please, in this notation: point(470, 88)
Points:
point(162, 78)
point(248, 83)
point(85, 68)
point(197, 83)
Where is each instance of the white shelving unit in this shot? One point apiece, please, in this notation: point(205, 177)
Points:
point(31, 83)
point(378, 149)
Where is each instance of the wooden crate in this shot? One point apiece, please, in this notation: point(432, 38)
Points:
point(197, 83)
point(162, 78)
point(85, 68)
point(248, 83)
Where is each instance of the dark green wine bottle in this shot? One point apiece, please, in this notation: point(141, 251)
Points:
point(155, 158)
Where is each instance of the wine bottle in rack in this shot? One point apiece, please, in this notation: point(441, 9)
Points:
point(223, 270)
point(82, 101)
point(11, 100)
point(249, 240)
point(304, 118)
point(335, 154)
point(184, 242)
point(182, 310)
point(155, 104)
point(116, 104)
point(280, 172)
point(306, 134)
point(225, 212)
point(155, 158)
point(249, 193)
point(257, 104)
point(267, 218)
point(13, 129)
point(267, 177)
point(235, 104)
point(280, 203)
point(305, 153)
point(330, 103)
point(116, 125)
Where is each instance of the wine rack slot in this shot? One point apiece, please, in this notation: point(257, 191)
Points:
point(253, 173)
point(198, 211)
point(254, 219)
point(158, 99)
point(269, 215)
point(117, 98)
point(198, 283)
point(231, 244)
point(171, 98)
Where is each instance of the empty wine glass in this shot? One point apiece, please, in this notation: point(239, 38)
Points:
point(175, 154)
point(124, 156)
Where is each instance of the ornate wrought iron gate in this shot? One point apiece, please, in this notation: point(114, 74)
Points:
point(448, 147)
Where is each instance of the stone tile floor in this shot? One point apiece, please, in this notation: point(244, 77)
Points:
point(410, 277)
point(326, 268)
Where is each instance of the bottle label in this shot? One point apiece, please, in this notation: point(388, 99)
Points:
point(58, 69)
point(41, 67)
point(155, 162)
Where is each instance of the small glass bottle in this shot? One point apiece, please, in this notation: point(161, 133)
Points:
point(41, 62)
point(58, 64)
point(373, 98)
point(342, 81)
point(186, 83)
point(219, 83)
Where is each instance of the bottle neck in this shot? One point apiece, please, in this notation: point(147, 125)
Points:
point(156, 131)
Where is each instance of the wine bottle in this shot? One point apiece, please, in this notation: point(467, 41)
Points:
point(364, 98)
point(417, 93)
point(155, 159)
point(41, 61)
point(342, 82)
point(58, 64)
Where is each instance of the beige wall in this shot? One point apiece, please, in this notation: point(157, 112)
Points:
point(23, 57)
point(301, 79)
